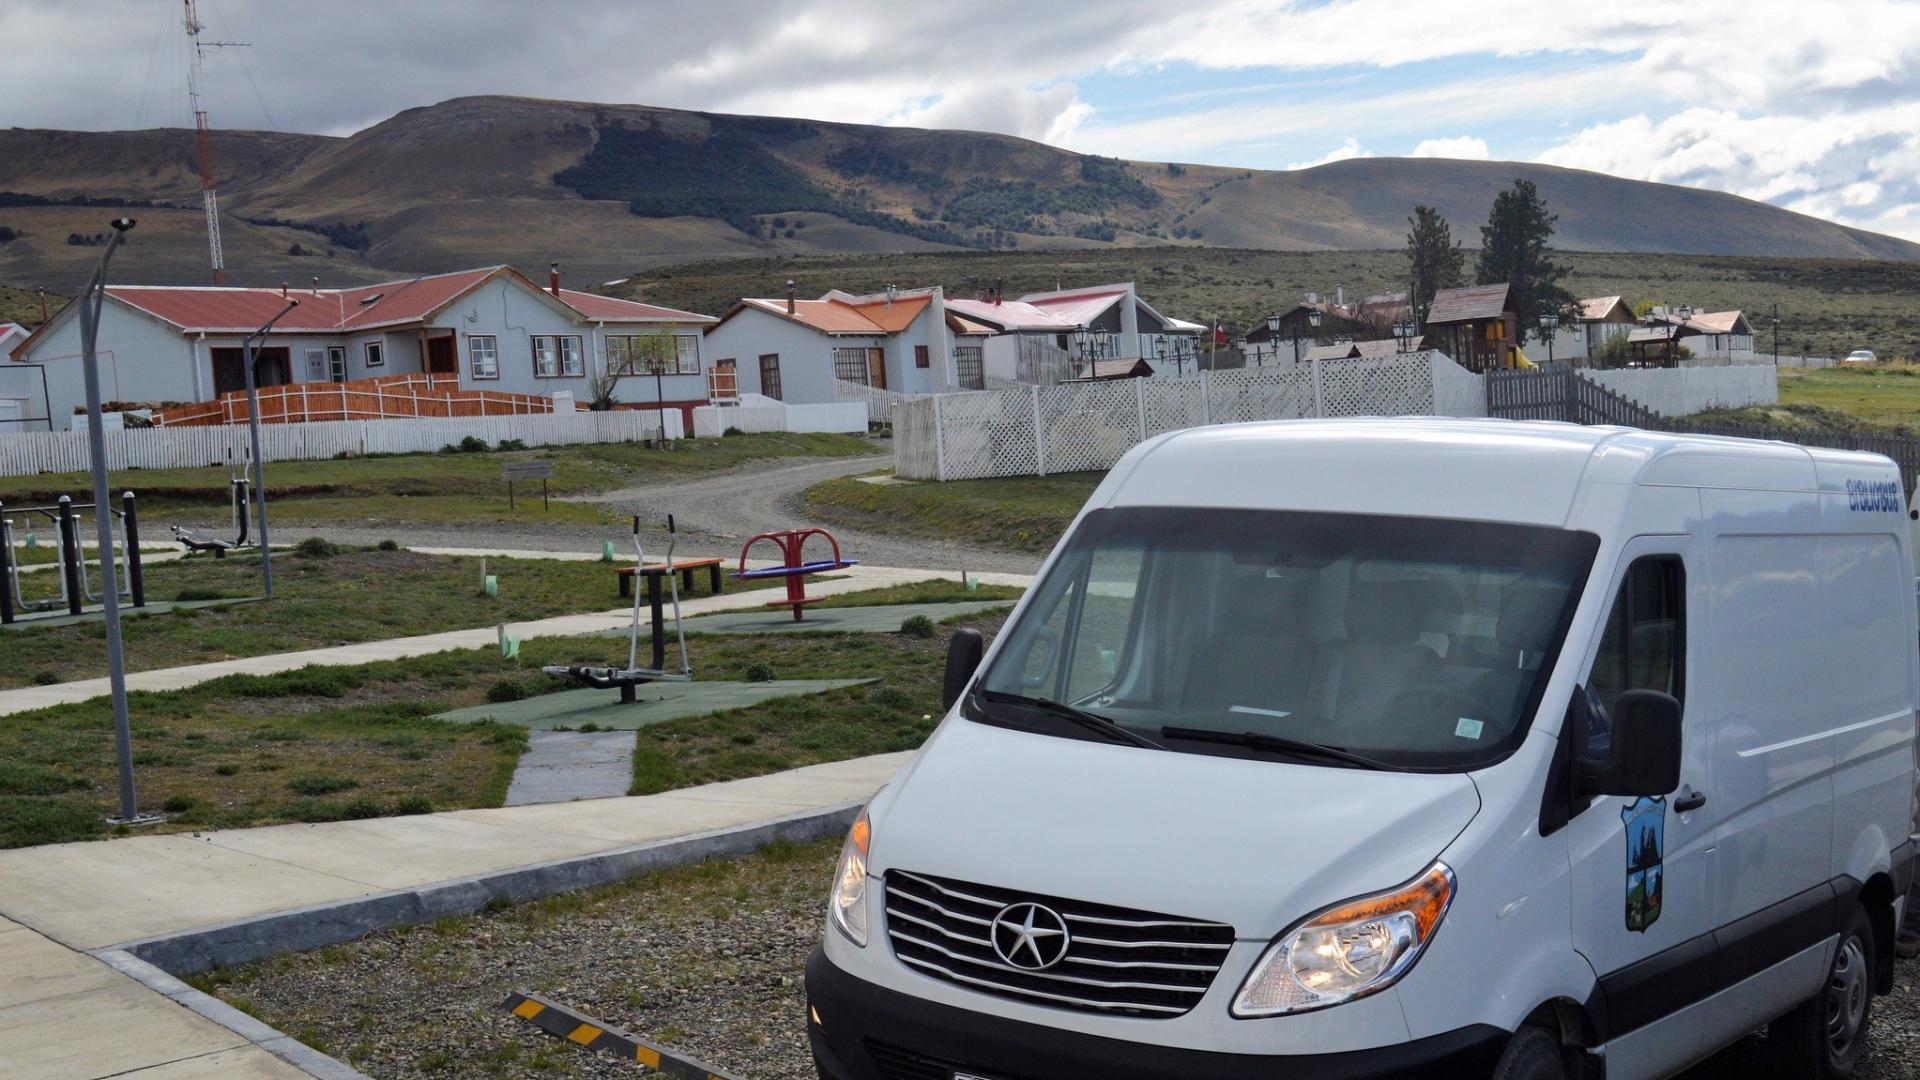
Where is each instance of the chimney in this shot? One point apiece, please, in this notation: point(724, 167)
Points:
point(999, 293)
point(316, 284)
point(891, 293)
point(283, 290)
point(42, 294)
point(1340, 295)
point(789, 296)
point(553, 279)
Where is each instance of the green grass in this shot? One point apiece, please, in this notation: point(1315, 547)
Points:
point(1828, 307)
point(919, 592)
point(320, 602)
point(1880, 399)
point(1018, 513)
point(328, 743)
point(434, 489)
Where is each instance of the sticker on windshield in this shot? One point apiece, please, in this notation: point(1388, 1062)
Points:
point(1468, 729)
point(1258, 711)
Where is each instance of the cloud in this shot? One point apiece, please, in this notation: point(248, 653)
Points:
point(1048, 114)
point(1343, 152)
point(1464, 147)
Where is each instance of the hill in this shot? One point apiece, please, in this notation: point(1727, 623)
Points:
point(607, 189)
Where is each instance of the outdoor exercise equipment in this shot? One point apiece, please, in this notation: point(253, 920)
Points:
point(240, 512)
point(120, 568)
point(791, 542)
point(633, 675)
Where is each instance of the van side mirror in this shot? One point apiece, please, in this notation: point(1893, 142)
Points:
point(963, 658)
point(1645, 753)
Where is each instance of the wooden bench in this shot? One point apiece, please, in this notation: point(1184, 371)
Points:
point(685, 568)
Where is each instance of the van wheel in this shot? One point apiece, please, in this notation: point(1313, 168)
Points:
point(1532, 1054)
point(1825, 1036)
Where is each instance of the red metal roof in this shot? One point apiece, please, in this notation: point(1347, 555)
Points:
point(595, 306)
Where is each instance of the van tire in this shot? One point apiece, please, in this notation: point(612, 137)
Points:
point(1532, 1054)
point(1824, 1037)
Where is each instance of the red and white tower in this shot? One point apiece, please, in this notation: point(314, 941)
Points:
point(204, 137)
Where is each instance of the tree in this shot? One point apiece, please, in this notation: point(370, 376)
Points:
point(1434, 260)
point(1514, 252)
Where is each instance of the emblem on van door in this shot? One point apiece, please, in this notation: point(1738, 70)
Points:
point(1032, 937)
point(1646, 831)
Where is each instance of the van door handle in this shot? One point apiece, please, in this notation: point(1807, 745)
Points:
point(1689, 801)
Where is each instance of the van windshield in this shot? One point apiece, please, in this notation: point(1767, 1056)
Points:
point(1400, 642)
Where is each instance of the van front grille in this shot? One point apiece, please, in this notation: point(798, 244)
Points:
point(1117, 960)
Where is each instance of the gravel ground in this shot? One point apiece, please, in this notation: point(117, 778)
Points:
point(706, 959)
point(716, 513)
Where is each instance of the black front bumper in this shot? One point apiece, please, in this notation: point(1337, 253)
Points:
point(872, 1033)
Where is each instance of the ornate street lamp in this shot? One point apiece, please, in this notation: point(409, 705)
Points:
point(1313, 320)
point(1677, 318)
point(1273, 338)
point(1403, 333)
point(1548, 324)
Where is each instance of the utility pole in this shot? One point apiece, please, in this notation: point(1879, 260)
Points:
point(253, 430)
point(1776, 335)
point(203, 137)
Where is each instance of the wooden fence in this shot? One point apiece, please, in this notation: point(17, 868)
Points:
point(383, 397)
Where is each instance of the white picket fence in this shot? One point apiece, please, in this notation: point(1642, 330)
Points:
point(188, 447)
point(848, 417)
point(1077, 426)
point(1688, 390)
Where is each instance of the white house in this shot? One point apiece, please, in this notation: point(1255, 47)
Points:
point(14, 405)
point(901, 341)
point(1602, 319)
point(1096, 322)
point(491, 328)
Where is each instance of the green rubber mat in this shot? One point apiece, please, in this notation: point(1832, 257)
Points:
point(657, 702)
point(843, 620)
point(28, 620)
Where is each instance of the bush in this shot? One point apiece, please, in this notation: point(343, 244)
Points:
point(511, 444)
point(388, 545)
point(507, 690)
point(470, 445)
point(321, 784)
point(46, 678)
point(918, 626)
point(731, 432)
point(317, 547)
point(759, 671)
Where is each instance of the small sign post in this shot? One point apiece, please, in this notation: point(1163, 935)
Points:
point(540, 469)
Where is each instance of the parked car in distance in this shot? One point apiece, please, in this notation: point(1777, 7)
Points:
point(1861, 356)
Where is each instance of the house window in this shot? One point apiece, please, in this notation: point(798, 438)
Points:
point(850, 365)
point(316, 365)
point(770, 375)
point(337, 363)
point(483, 352)
point(643, 354)
point(557, 356)
point(724, 365)
point(920, 357)
point(376, 354)
point(973, 373)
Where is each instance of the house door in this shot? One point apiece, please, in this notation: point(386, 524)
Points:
point(442, 357)
point(337, 363)
point(877, 368)
point(270, 368)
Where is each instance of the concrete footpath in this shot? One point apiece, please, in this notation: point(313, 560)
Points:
point(853, 579)
point(74, 917)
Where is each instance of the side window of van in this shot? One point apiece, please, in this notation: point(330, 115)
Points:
point(1644, 646)
point(1106, 618)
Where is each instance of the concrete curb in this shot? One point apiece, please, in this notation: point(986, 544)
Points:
point(262, 1035)
point(155, 962)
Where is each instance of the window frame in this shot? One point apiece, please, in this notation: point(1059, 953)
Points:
point(337, 364)
point(922, 357)
point(978, 362)
point(558, 351)
point(371, 349)
point(771, 387)
point(473, 356)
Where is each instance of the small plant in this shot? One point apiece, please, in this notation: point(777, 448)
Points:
point(507, 690)
point(590, 727)
point(178, 804)
point(759, 671)
point(732, 431)
point(388, 545)
point(511, 444)
point(321, 784)
point(46, 678)
point(413, 804)
point(316, 547)
point(917, 626)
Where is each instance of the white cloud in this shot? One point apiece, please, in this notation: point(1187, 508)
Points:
point(1049, 114)
point(1343, 152)
point(1464, 147)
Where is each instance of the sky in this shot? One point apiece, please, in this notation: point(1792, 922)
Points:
point(1813, 106)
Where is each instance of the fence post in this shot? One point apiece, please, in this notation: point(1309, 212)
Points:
point(939, 444)
point(1319, 403)
point(1206, 397)
point(1140, 408)
point(1039, 437)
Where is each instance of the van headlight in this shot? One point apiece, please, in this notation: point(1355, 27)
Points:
point(1356, 948)
point(847, 909)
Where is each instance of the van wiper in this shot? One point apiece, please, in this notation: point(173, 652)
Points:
point(1279, 744)
point(1093, 722)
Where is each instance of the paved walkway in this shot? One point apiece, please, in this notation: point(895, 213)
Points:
point(560, 766)
point(854, 579)
point(66, 1016)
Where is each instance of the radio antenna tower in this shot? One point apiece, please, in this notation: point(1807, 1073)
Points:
point(203, 136)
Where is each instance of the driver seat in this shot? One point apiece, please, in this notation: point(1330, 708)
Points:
point(1382, 658)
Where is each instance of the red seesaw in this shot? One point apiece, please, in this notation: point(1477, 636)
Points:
point(790, 541)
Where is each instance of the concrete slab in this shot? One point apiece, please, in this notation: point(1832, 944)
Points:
point(38, 968)
point(391, 853)
point(8, 924)
point(90, 895)
point(560, 766)
point(656, 702)
point(122, 1027)
point(832, 620)
point(246, 1063)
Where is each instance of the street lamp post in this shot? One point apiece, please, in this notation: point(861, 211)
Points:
point(1403, 333)
point(253, 432)
point(1548, 324)
point(1682, 313)
point(91, 303)
point(1776, 335)
point(1273, 340)
point(1313, 320)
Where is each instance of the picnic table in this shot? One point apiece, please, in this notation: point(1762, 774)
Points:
point(684, 567)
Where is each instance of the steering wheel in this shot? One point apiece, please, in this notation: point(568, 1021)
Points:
point(1049, 638)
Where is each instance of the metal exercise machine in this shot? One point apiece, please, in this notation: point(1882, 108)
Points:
point(119, 569)
point(627, 679)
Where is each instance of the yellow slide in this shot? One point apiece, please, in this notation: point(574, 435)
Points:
point(1520, 359)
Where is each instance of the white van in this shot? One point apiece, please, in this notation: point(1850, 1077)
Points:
point(1406, 747)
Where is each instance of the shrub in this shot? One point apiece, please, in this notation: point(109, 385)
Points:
point(46, 678)
point(918, 626)
point(179, 804)
point(759, 671)
point(316, 547)
point(388, 545)
point(507, 690)
point(732, 431)
point(321, 784)
point(511, 444)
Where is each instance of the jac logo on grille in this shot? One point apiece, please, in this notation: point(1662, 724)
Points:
point(1031, 937)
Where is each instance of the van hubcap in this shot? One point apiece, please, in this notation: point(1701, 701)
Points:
point(1846, 996)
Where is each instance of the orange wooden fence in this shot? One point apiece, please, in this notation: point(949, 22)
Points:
point(384, 397)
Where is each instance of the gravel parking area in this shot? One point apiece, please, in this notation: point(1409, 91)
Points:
point(707, 959)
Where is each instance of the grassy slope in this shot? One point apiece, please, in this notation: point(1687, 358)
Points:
point(433, 489)
point(1019, 513)
point(1827, 306)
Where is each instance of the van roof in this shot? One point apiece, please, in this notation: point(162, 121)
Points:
point(1495, 470)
